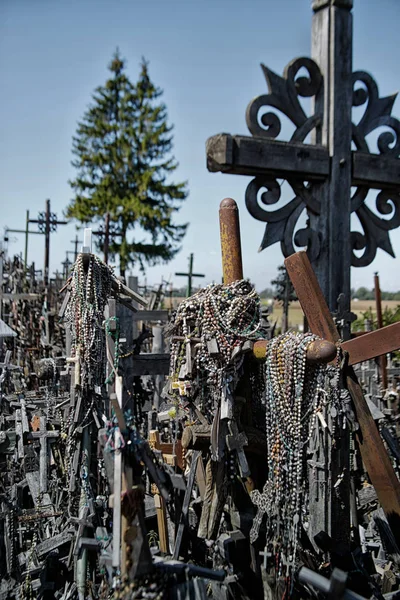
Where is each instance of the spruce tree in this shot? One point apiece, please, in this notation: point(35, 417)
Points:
point(123, 159)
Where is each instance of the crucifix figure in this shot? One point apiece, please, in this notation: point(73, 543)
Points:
point(321, 173)
point(190, 276)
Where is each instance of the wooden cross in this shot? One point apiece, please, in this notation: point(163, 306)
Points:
point(237, 441)
point(7, 364)
point(47, 223)
point(106, 234)
point(321, 173)
point(76, 243)
point(44, 436)
point(190, 276)
point(374, 455)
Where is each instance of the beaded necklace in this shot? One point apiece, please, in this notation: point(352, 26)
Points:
point(220, 318)
point(294, 394)
point(84, 314)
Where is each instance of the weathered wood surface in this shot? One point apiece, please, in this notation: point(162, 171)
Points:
point(375, 170)
point(373, 344)
point(241, 155)
point(373, 452)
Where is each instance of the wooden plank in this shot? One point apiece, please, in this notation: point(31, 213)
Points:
point(241, 155)
point(375, 170)
point(16, 297)
point(373, 344)
point(310, 296)
point(150, 364)
point(373, 452)
point(151, 315)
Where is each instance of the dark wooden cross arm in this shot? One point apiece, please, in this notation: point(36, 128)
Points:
point(373, 452)
point(244, 155)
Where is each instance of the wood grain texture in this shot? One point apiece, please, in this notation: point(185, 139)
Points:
point(373, 344)
point(242, 155)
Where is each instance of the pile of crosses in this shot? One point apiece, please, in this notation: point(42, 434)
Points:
point(100, 500)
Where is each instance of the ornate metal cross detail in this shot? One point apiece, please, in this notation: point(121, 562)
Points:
point(327, 162)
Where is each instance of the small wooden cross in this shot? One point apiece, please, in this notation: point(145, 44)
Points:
point(44, 436)
point(182, 386)
point(236, 441)
point(266, 555)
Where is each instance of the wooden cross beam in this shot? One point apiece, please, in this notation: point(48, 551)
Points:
point(374, 455)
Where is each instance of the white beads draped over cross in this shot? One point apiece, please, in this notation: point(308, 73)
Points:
point(293, 395)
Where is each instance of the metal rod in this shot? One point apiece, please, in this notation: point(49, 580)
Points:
point(232, 267)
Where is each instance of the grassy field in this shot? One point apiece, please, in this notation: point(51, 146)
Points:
point(296, 314)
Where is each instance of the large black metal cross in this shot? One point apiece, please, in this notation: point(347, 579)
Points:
point(322, 171)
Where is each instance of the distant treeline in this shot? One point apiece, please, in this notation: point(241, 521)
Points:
point(361, 293)
point(364, 294)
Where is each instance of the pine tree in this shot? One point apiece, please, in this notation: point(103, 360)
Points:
point(123, 159)
point(284, 293)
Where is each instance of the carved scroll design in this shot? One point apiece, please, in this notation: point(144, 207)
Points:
point(284, 95)
point(377, 113)
point(376, 230)
point(281, 223)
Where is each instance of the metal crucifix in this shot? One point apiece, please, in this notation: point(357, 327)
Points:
point(323, 172)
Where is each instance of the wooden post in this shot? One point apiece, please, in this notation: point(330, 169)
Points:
point(332, 51)
point(161, 507)
point(378, 301)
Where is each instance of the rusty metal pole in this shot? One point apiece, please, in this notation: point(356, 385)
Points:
point(378, 301)
point(232, 267)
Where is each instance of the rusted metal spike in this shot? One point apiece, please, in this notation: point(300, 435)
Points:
point(374, 455)
point(232, 267)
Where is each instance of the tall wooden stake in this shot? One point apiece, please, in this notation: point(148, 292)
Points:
point(378, 301)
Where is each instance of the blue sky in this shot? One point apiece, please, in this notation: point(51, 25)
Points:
point(206, 56)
